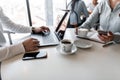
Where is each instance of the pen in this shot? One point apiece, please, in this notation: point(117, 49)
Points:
point(108, 43)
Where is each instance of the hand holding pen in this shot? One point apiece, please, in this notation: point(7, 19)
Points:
point(106, 36)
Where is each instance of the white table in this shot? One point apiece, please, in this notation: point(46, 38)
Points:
point(96, 63)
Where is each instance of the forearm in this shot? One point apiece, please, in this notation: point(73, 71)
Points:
point(10, 51)
point(92, 19)
point(11, 25)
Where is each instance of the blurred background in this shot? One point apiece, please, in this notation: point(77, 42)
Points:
point(43, 12)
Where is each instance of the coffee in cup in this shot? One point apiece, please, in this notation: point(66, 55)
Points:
point(82, 32)
point(66, 45)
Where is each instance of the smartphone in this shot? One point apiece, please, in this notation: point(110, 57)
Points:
point(100, 32)
point(35, 55)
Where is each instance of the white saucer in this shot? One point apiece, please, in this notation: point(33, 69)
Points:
point(82, 43)
point(74, 49)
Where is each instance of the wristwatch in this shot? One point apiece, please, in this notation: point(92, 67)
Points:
point(33, 30)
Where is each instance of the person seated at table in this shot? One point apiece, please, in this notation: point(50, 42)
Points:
point(91, 6)
point(78, 9)
point(25, 46)
point(108, 14)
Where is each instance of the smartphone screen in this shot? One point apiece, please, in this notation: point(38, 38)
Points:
point(35, 55)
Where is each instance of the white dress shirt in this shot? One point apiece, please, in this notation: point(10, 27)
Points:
point(9, 51)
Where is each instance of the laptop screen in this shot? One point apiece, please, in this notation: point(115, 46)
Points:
point(62, 25)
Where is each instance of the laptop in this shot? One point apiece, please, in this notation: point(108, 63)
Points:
point(56, 33)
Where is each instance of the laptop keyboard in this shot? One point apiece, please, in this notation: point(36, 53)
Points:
point(48, 39)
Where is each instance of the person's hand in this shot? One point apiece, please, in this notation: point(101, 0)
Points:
point(76, 30)
point(106, 38)
point(31, 44)
point(38, 30)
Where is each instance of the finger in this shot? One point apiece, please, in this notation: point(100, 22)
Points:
point(48, 29)
point(42, 26)
point(105, 36)
point(34, 48)
point(102, 38)
point(36, 45)
point(110, 33)
point(108, 38)
point(35, 41)
point(45, 28)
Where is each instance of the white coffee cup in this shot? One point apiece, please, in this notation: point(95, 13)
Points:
point(82, 32)
point(66, 45)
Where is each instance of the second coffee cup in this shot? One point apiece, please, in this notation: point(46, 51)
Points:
point(82, 32)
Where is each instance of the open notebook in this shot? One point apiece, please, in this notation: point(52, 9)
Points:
point(92, 36)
